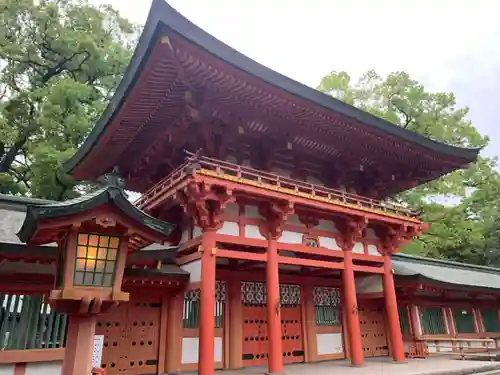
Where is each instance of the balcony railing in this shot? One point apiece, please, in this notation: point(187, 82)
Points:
point(242, 173)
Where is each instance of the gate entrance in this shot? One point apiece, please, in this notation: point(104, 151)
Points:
point(131, 335)
point(373, 331)
point(255, 334)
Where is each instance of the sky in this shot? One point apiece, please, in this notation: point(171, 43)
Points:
point(448, 46)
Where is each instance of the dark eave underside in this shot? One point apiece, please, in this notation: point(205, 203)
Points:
point(162, 14)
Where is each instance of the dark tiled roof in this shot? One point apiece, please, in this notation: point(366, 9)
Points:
point(163, 14)
point(109, 194)
point(452, 274)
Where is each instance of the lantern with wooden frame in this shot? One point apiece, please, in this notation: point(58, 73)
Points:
point(94, 234)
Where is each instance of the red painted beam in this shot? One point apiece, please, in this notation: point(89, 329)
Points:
point(310, 263)
point(234, 254)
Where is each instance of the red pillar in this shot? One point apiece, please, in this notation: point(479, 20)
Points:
point(391, 306)
point(207, 305)
point(79, 345)
point(275, 362)
point(351, 309)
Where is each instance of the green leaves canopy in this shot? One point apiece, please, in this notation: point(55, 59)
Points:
point(60, 62)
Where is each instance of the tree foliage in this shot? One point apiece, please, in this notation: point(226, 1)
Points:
point(60, 62)
point(462, 208)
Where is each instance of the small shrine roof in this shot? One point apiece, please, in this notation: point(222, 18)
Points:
point(112, 194)
point(454, 275)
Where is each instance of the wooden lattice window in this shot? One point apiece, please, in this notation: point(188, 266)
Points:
point(490, 320)
point(28, 322)
point(96, 260)
point(191, 311)
point(327, 306)
point(432, 321)
point(464, 320)
point(404, 323)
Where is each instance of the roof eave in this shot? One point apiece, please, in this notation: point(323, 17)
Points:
point(161, 12)
point(108, 195)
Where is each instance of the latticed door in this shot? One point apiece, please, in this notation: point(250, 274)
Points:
point(291, 324)
point(131, 334)
point(255, 334)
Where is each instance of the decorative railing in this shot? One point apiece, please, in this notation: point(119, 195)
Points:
point(225, 169)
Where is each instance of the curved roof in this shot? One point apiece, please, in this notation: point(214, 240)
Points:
point(453, 274)
point(109, 194)
point(161, 15)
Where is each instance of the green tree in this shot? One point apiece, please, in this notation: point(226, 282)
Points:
point(462, 230)
point(60, 61)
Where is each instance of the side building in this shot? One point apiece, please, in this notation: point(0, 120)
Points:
point(270, 201)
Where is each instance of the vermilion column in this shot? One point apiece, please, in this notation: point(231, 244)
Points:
point(391, 306)
point(174, 333)
point(207, 305)
point(351, 309)
point(79, 345)
point(275, 362)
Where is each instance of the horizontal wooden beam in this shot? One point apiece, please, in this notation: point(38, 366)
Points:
point(369, 269)
point(310, 263)
point(241, 240)
point(31, 355)
point(322, 251)
point(368, 258)
point(234, 254)
point(188, 258)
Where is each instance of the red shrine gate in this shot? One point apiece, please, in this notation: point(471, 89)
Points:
point(131, 337)
point(255, 335)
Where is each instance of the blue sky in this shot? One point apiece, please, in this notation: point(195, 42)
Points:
point(446, 45)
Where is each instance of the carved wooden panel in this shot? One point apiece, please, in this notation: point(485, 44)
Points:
point(131, 335)
point(373, 331)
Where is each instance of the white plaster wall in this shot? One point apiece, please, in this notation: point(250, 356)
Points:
point(184, 236)
point(291, 237)
point(196, 231)
point(294, 220)
point(47, 368)
point(194, 269)
point(252, 212)
point(190, 349)
point(372, 250)
point(6, 369)
point(230, 228)
point(329, 343)
point(326, 225)
point(252, 231)
point(232, 209)
point(369, 284)
point(358, 248)
point(329, 243)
